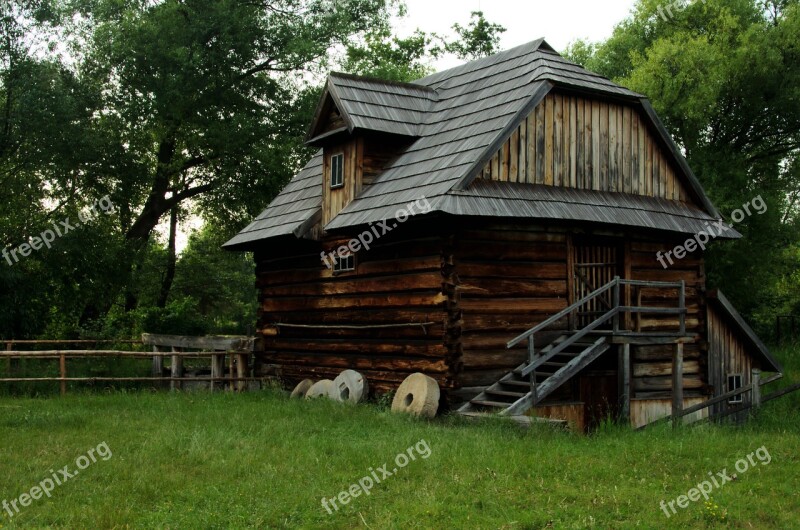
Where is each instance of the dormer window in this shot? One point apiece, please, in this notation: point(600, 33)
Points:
point(337, 170)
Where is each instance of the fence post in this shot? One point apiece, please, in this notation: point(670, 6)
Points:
point(677, 384)
point(242, 370)
point(755, 381)
point(217, 369)
point(158, 363)
point(176, 369)
point(62, 369)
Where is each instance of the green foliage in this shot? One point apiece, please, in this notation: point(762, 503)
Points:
point(480, 38)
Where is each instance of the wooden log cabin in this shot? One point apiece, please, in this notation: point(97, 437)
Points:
point(441, 220)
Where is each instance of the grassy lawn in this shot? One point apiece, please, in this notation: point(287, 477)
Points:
point(261, 460)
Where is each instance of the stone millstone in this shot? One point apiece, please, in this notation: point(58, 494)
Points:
point(349, 387)
point(301, 389)
point(417, 395)
point(320, 389)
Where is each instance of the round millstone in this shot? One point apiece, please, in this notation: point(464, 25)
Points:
point(320, 389)
point(301, 389)
point(417, 395)
point(350, 387)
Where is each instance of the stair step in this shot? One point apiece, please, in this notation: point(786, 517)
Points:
point(505, 393)
point(518, 384)
point(485, 403)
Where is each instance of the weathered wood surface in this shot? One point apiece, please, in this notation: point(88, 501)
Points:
point(590, 144)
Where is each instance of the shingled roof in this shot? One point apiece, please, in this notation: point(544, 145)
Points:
point(460, 117)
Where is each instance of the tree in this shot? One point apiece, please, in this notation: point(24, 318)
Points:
point(480, 38)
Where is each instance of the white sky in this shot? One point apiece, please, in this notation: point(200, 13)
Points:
point(558, 21)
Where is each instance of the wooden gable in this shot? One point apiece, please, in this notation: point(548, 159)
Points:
point(586, 143)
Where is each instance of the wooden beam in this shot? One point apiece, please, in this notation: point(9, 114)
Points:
point(625, 382)
point(677, 384)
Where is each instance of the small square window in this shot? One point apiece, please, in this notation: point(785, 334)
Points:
point(735, 383)
point(337, 171)
point(345, 264)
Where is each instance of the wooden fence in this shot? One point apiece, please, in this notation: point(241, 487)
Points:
point(235, 373)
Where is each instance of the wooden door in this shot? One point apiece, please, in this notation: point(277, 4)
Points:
point(595, 263)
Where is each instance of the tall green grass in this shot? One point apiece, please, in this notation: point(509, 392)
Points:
point(259, 460)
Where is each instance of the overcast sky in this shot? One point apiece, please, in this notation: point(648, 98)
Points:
point(558, 21)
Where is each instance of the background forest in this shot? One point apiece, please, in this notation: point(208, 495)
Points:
point(190, 115)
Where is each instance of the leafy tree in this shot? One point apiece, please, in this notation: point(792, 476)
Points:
point(480, 38)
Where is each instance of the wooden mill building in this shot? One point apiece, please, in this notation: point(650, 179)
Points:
point(442, 219)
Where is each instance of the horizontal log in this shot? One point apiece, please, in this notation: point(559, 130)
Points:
point(74, 354)
point(512, 235)
point(390, 334)
point(343, 362)
point(418, 348)
point(520, 305)
point(482, 288)
point(365, 268)
point(492, 359)
point(345, 302)
point(206, 343)
point(498, 250)
point(358, 316)
point(692, 278)
point(663, 352)
point(665, 368)
point(410, 282)
point(469, 269)
point(652, 384)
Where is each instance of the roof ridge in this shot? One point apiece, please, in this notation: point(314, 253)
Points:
point(372, 79)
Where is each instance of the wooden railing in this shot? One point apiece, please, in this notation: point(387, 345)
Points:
point(613, 314)
point(237, 350)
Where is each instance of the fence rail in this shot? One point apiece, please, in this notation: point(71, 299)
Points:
point(236, 350)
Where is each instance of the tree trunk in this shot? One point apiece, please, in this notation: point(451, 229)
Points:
point(172, 258)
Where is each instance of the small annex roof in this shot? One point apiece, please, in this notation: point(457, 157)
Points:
point(459, 119)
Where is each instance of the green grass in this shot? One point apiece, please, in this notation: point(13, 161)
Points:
point(260, 460)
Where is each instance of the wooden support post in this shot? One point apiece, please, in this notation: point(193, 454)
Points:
point(217, 369)
point(13, 364)
point(62, 370)
point(755, 381)
point(242, 369)
point(616, 304)
point(176, 369)
point(682, 306)
point(638, 314)
point(531, 359)
point(158, 363)
point(677, 385)
point(625, 383)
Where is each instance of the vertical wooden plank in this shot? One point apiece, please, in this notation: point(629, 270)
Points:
point(530, 177)
point(605, 147)
point(496, 166)
point(558, 140)
point(504, 160)
point(596, 146)
point(62, 370)
point(217, 370)
point(326, 189)
point(662, 172)
point(572, 142)
point(677, 384)
point(571, 298)
point(541, 143)
point(626, 186)
point(580, 144)
point(638, 156)
point(755, 394)
point(614, 145)
point(513, 165)
point(548, 141)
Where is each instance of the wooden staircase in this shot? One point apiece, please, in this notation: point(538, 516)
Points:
point(550, 367)
point(529, 383)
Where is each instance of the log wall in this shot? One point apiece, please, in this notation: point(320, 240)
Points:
point(396, 282)
point(577, 142)
point(652, 365)
point(644, 411)
point(510, 278)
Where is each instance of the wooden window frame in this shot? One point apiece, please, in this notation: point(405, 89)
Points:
point(333, 183)
point(735, 400)
point(345, 264)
